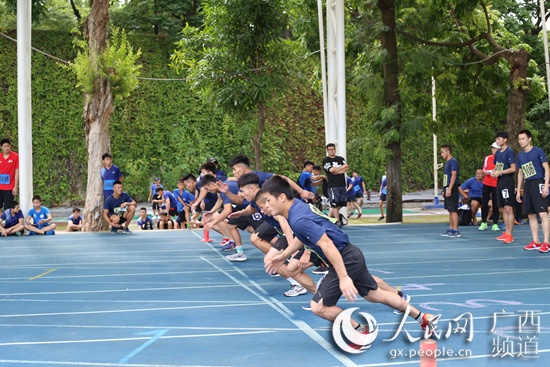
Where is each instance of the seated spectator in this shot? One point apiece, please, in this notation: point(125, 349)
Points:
point(165, 222)
point(154, 198)
point(39, 219)
point(75, 221)
point(11, 222)
point(144, 222)
point(119, 209)
point(472, 189)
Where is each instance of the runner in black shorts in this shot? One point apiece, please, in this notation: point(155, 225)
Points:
point(451, 182)
point(533, 167)
point(505, 167)
point(348, 276)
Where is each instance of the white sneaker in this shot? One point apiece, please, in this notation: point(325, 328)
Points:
point(295, 291)
point(237, 256)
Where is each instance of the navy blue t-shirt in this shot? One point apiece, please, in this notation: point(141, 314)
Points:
point(113, 205)
point(269, 219)
point(358, 184)
point(450, 166)
point(503, 160)
point(474, 187)
point(309, 224)
point(263, 176)
point(531, 163)
point(305, 181)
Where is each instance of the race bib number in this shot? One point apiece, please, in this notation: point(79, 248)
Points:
point(505, 194)
point(445, 181)
point(499, 166)
point(528, 170)
point(119, 211)
point(356, 188)
point(5, 179)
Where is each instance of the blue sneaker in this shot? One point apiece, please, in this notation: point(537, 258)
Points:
point(51, 232)
point(446, 233)
point(113, 230)
point(453, 233)
point(31, 233)
point(229, 247)
point(126, 231)
point(457, 233)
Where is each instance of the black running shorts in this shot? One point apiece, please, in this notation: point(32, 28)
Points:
point(328, 288)
point(533, 202)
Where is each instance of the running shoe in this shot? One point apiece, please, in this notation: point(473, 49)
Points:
point(509, 239)
point(382, 217)
point(321, 270)
point(429, 324)
point(295, 291)
point(366, 331)
point(453, 233)
point(532, 246)
point(543, 247)
point(224, 242)
point(446, 233)
point(359, 215)
point(229, 246)
point(237, 256)
point(502, 237)
point(51, 232)
point(306, 307)
point(483, 226)
point(495, 227)
point(113, 230)
point(126, 231)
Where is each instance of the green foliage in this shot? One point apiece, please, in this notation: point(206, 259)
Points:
point(117, 63)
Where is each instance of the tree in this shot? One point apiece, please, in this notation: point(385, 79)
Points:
point(104, 72)
point(237, 60)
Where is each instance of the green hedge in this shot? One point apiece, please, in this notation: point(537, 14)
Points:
point(163, 129)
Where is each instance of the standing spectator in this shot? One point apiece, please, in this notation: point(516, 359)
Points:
point(451, 181)
point(383, 192)
point(13, 221)
point(474, 186)
point(9, 175)
point(39, 219)
point(75, 221)
point(109, 174)
point(360, 190)
point(153, 197)
point(352, 200)
point(534, 169)
point(489, 191)
point(505, 167)
point(336, 167)
point(119, 209)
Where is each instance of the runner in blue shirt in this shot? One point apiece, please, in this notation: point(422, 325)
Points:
point(348, 274)
point(451, 182)
point(359, 188)
point(533, 168)
point(505, 167)
point(109, 174)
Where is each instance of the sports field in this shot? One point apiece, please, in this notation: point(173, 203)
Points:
point(166, 299)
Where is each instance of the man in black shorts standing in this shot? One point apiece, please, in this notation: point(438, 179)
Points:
point(451, 182)
point(336, 167)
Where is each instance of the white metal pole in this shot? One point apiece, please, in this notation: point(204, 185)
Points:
point(24, 112)
point(331, 73)
point(545, 41)
point(323, 67)
point(341, 78)
point(434, 116)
